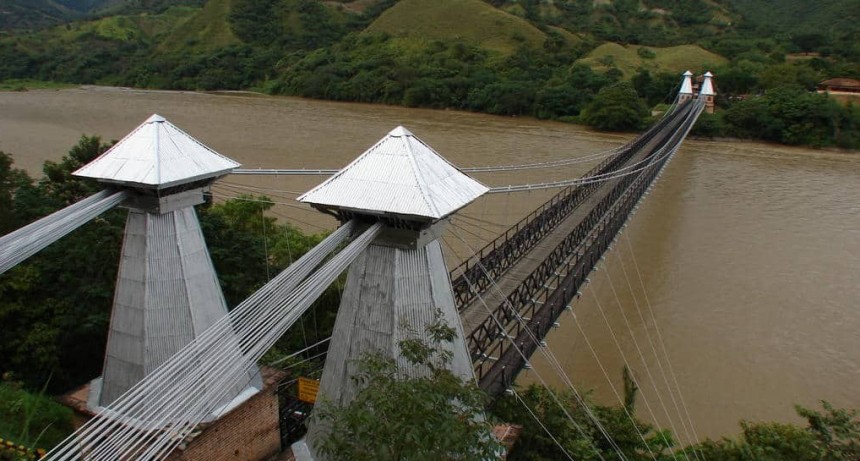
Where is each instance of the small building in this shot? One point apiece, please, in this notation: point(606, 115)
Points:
point(839, 85)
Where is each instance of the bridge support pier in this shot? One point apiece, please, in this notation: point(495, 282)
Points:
point(391, 294)
point(399, 286)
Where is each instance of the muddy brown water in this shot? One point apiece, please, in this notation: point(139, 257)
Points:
point(747, 252)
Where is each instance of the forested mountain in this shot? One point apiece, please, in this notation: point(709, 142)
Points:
point(545, 58)
point(38, 14)
point(799, 16)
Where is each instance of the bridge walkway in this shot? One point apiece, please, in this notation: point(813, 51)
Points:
point(476, 313)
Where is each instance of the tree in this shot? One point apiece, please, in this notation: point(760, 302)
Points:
point(832, 435)
point(60, 332)
point(616, 107)
point(395, 416)
point(11, 179)
point(578, 433)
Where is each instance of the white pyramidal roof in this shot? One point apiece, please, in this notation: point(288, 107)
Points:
point(687, 84)
point(399, 175)
point(707, 86)
point(157, 155)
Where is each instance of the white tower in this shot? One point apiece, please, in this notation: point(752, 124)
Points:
point(686, 92)
point(167, 292)
point(401, 279)
point(707, 92)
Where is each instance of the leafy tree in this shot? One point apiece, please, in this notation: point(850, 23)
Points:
point(836, 432)
point(791, 115)
point(581, 438)
point(616, 107)
point(395, 416)
point(11, 179)
point(832, 435)
point(60, 332)
point(656, 89)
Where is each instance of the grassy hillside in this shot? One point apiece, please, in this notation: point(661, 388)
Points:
point(472, 21)
point(32, 14)
point(208, 29)
point(630, 58)
point(143, 27)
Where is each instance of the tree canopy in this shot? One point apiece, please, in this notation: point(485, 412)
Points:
point(616, 107)
point(398, 416)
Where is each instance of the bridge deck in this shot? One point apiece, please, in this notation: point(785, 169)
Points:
point(473, 315)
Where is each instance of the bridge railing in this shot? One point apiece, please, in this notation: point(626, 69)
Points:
point(495, 258)
point(496, 360)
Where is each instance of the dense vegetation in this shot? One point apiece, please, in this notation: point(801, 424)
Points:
point(382, 423)
point(33, 420)
point(830, 434)
point(528, 57)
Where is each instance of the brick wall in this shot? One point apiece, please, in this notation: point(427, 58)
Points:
point(248, 433)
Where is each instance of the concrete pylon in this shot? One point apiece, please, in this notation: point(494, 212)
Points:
point(399, 285)
point(167, 291)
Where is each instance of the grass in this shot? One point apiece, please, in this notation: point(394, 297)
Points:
point(472, 21)
point(206, 30)
point(628, 59)
point(138, 28)
point(32, 420)
point(24, 85)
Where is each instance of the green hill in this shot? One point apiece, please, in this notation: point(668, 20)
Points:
point(208, 29)
point(472, 21)
point(40, 14)
point(32, 14)
point(801, 16)
point(630, 58)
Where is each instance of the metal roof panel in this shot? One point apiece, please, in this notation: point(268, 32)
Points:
point(399, 175)
point(157, 154)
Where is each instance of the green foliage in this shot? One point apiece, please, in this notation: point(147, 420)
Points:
point(398, 416)
point(616, 107)
point(709, 126)
point(584, 442)
point(831, 435)
point(60, 332)
point(656, 89)
point(836, 432)
point(631, 58)
point(792, 116)
point(475, 23)
point(32, 419)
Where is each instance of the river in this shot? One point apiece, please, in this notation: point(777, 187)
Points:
point(748, 252)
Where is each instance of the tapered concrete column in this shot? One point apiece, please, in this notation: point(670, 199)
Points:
point(167, 294)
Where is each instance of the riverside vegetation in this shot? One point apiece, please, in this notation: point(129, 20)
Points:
point(560, 60)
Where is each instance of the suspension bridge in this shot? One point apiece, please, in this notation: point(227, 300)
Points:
point(177, 358)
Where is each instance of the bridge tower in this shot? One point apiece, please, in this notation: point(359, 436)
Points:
point(707, 92)
point(394, 289)
point(686, 92)
point(167, 292)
